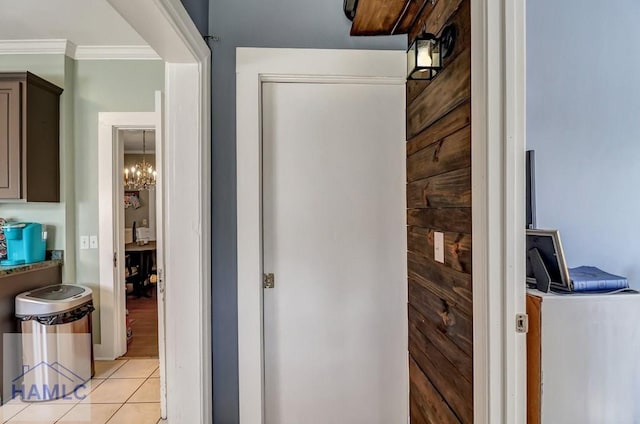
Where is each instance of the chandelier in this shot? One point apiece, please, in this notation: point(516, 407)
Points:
point(140, 176)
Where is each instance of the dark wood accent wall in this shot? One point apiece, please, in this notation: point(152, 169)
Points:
point(439, 199)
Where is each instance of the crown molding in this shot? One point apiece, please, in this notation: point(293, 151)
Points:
point(115, 53)
point(36, 47)
point(68, 48)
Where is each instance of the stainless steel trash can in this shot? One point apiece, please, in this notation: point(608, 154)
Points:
point(57, 347)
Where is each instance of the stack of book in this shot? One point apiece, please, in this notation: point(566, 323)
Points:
point(590, 278)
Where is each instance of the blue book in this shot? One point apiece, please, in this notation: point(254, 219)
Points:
point(588, 278)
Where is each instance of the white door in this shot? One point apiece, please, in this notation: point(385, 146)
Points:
point(335, 343)
point(160, 252)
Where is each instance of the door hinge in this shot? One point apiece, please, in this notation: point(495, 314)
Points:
point(115, 259)
point(269, 281)
point(522, 323)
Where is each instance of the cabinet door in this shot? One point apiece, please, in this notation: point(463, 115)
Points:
point(10, 143)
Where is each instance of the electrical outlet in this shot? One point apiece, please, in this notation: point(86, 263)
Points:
point(438, 244)
point(93, 242)
point(84, 242)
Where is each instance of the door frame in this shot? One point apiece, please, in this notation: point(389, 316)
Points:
point(113, 340)
point(254, 66)
point(111, 234)
point(168, 29)
point(166, 26)
point(498, 108)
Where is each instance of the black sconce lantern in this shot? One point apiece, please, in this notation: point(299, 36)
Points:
point(349, 7)
point(426, 53)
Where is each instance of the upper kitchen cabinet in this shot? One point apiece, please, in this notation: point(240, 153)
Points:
point(29, 138)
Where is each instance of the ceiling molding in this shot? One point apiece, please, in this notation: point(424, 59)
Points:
point(34, 46)
point(68, 48)
point(115, 52)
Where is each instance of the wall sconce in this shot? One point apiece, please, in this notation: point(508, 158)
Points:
point(425, 55)
point(349, 7)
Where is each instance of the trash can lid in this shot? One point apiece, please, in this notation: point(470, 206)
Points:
point(53, 299)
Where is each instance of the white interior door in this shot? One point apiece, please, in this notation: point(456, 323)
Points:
point(335, 336)
point(159, 225)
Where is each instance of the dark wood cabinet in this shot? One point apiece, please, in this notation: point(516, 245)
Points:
point(29, 138)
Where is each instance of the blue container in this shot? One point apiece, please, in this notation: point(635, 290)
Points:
point(25, 243)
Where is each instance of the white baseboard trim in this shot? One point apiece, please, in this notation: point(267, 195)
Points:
point(99, 354)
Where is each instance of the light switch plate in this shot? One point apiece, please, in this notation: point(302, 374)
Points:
point(84, 242)
point(438, 245)
point(93, 242)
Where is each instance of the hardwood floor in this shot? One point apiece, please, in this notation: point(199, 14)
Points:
point(143, 314)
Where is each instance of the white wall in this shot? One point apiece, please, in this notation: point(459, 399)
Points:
point(583, 120)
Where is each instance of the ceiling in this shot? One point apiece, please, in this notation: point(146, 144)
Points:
point(133, 141)
point(83, 22)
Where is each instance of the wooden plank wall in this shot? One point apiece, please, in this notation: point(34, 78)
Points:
point(439, 199)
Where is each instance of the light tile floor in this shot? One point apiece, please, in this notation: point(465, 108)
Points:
point(122, 392)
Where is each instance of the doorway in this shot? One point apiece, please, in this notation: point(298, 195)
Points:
point(336, 317)
point(123, 260)
point(140, 266)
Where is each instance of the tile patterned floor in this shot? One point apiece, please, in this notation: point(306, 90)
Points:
point(122, 392)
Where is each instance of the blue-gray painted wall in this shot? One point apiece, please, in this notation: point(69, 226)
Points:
point(583, 120)
point(253, 23)
point(199, 12)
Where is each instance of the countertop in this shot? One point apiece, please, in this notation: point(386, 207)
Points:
point(9, 270)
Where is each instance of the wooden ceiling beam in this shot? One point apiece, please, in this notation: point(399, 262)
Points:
point(387, 17)
point(377, 17)
point(413, 9)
